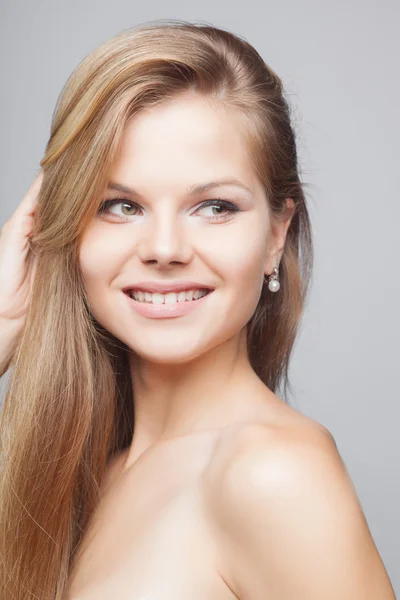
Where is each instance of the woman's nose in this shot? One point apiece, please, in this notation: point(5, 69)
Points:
point(165, 240)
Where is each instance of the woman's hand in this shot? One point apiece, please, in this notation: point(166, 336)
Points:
point(17, 271)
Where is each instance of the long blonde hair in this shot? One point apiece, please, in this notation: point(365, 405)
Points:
point(69, 406)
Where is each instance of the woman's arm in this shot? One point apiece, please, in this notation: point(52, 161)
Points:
point(17, 271)
point(291, 526)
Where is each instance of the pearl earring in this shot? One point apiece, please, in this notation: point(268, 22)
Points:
point(273, 281)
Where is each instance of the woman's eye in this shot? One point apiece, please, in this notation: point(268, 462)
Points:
point(128, 205)
point(228, 209)
point(225, 209)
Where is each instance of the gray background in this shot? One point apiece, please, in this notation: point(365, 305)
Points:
point(339, 62)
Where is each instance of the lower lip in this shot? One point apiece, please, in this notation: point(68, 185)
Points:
point(165, 311)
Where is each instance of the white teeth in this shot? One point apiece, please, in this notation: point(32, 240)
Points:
point(170, 298)
point(181, 297)
point(156, 298)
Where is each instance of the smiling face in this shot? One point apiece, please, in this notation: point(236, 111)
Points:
point(163, 231)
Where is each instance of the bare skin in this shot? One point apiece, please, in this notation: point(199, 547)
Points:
point(152, 535)
point(158, 532)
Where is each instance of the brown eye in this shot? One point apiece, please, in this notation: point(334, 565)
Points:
point(127, 204)
point(224, 208)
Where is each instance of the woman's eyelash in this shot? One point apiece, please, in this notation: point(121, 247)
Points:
point(219, 202)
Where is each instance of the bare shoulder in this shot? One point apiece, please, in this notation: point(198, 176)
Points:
point(276, 429)
point(273, 448)
point(263, 458)
point(288, 519)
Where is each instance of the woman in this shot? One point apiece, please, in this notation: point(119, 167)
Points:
point(145, 453)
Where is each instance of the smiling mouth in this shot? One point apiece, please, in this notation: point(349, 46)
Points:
point(168, 298)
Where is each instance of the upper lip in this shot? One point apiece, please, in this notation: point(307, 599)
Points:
point(164, 288)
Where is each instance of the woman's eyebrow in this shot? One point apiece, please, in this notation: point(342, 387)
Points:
point(191, 191)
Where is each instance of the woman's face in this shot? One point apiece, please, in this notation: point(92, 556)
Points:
point(162, 232)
